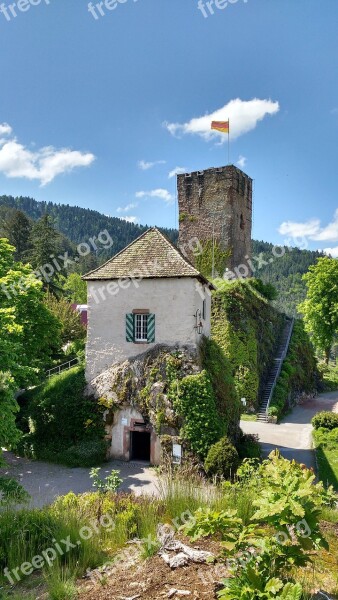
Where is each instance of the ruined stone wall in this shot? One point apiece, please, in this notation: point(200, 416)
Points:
point(219, 199)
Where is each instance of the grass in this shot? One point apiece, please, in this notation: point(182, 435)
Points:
point(27, 533)
point(246, 417)
point(326, 445)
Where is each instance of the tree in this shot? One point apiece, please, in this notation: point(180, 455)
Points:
point(320, 308)
point(18, 229)
point(72, 328)
point(76, 289)
point(28, 335)
point(45, 245)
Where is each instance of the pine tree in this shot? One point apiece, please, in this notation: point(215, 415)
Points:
point(17, 229)
point(45, 245)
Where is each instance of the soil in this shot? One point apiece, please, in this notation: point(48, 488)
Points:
point(152, 579)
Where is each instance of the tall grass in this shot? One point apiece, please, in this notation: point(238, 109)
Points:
point(25, 534)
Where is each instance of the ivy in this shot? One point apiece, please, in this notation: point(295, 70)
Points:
point(196, 401)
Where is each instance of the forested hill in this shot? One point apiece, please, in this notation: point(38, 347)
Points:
point(79, 224)
point(284, 272)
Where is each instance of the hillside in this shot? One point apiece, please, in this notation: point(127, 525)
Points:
point(285, 273)
point(79, 224)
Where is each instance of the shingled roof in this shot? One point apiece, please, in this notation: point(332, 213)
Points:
point(150, 256)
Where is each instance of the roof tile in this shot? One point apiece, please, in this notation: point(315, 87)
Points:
point(149, 256)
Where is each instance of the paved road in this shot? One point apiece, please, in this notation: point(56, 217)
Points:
point(45, 482)
point(293, 436)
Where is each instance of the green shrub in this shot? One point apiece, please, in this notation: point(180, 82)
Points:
point(325, 419)
point(87, 453)
point(196, 403)
point(248, 446)
point(61, 424)
point(222, 459)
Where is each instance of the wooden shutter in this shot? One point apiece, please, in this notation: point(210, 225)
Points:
point(130, 327)
point(151, 329)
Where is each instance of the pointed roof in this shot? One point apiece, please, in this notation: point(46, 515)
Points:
point(152, 255)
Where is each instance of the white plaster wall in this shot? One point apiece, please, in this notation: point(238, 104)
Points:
point(122, 419)
point(116, 450)
point(173, 301)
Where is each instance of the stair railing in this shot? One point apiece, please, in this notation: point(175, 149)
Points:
point(61, 368)
point(280, 361)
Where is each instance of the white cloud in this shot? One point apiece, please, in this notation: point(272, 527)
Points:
point(241, 161)
point(312, 229)
point(332, 251)
point(130, 219)
point(144, 165)
point(5, 129)
point(243, 114)
point(159, 193)
point(44, 165)
point(177, 171)
point(299, 229)
point(330, 232)
point(121, 209)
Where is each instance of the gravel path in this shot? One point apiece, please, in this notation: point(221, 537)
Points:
point(45, 482)
point(293, 436)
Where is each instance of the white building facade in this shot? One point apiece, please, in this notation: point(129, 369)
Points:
point(143, 306)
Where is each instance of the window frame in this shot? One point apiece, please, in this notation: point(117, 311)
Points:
point(141, 324)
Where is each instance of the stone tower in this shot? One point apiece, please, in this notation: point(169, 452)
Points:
point(217, 202)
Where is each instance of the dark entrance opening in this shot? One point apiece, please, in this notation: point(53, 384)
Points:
point(140, 445)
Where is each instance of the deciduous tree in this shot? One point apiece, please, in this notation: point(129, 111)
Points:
point(320, 308)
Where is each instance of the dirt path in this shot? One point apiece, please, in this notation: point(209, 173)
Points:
point(293, 436)
point(45, 482)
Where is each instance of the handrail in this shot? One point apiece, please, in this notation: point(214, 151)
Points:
point(281, 360)
point(57, 370)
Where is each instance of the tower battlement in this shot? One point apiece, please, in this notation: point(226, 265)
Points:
point(217, 204)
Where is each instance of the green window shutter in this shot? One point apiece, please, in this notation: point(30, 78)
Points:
point(151, 329)
point(130, 327)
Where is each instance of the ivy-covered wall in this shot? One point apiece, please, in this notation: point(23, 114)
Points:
point(299, 373)
point(247, 328)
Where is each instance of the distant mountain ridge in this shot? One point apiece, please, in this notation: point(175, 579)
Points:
point(79, 224)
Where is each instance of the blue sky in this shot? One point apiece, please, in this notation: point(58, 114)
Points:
point(85, 100)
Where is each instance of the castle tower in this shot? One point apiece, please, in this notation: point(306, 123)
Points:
point(216, 204)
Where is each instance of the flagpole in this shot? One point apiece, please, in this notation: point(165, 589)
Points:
point(229, 143)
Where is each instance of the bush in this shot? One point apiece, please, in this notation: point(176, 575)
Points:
point(61, 424)
point(222, 459)
point(87, 453)
point(325, 419)
point(248, 446)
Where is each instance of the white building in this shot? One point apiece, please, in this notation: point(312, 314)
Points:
point(147, 294)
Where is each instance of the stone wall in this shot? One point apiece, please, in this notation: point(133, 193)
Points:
point(217, 202)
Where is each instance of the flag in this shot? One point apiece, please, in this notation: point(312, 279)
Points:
point(223, 126)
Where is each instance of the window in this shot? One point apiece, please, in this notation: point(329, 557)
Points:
point(204, 310)
point(141, 328)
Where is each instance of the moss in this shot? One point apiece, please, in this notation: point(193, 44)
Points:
point(247, 329)
point(212, 259)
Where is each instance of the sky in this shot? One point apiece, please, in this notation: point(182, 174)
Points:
point(102, 103)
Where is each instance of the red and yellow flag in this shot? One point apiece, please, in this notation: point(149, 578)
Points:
point(223, 126)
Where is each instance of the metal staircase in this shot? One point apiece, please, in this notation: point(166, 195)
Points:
point(282, 351)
